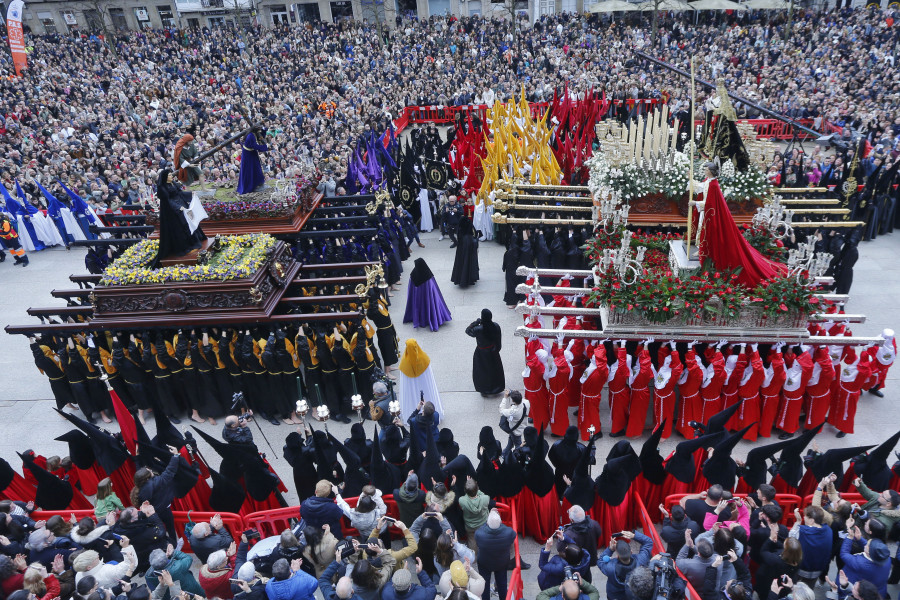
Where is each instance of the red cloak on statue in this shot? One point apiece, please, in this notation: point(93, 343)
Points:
point(722, 243)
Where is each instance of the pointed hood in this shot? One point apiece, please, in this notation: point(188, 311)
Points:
point(226, 495)
point(7, 475)
point(621, 468)
point(80, 450)
point(581, 491)
point(652, 463)
point(109, 452)
point(681, 464)
point(717, 422)
point(52, 492)
point(166, 433)
point(720, 467)
point(873, 468)
point(756, 466)
point(832, 461)
point(790, 461)
point(385, 476)
point(446, 445)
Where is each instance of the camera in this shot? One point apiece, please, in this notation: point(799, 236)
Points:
point(252, 534)
point(570, 573)
point(668, 584)
point(346, 549)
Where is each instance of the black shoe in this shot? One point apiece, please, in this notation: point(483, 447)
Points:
point(343, 418)
point(24, 263)
point(274, 421)
point(598, 435)
point(841, 434)
point(2, 256)
point(453, 245)
point(785, 436)
point(524, 565)
point(876, 392)
point(617, 434)
point(174, 420)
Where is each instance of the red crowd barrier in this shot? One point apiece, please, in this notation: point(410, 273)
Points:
point(232, 522)
point(788, 503)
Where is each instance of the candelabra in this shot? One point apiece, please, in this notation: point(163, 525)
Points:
point(620, 261)
point(374, 278)
point(322, 415)
point(302, 410)
point(607, 213)
point(356, 403)
point(805, 263)
point(774, 217)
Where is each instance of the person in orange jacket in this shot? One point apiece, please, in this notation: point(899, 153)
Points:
point(11, 239)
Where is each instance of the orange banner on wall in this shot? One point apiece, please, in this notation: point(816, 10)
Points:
point(16, 35)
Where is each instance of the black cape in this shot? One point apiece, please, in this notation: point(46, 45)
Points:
point(465, 266)
point(487, 367)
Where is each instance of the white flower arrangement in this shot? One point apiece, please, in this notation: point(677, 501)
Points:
point(631, 183)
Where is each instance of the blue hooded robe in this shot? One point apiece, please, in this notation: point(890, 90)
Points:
point(251, 167)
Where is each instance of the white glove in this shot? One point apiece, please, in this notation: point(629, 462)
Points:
point(721, 344)
point(754, 346)
point(90, 342)
point(672, 345)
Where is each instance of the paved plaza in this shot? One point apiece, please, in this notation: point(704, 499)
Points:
point(28, 420)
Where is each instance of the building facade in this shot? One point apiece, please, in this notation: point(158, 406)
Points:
point(67, 17)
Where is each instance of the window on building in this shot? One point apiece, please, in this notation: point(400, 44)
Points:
point(308, 13)
point(341, 9)
point(117, 15)
point(47, 21)
point(166, 17)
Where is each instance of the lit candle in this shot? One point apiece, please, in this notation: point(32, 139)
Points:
point(353, 381)
point(638, 140)
point(675, 136)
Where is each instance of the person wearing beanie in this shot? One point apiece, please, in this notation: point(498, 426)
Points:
point(178, 564)
point(250, 587)
point(461, 577)
point(495, 541)
point(872, 564)
point(401, 586)
point(410, 499)
point(321, 509)
point(106, 575)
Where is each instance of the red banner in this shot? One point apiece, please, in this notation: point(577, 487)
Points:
point(16, 35)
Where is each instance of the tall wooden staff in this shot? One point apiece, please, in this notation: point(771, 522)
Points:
point(690, 216)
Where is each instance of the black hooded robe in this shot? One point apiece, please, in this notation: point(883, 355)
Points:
point(465, 266)
point(175, 237)
point(487, 367)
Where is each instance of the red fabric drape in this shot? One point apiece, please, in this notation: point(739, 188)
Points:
point(18, 489)
point(123, 480)
point(721, 242)
point(651, 494)
point(781, 486)
point(614, 518)
point(89, 478)
point(79, 502)
point(537, 516)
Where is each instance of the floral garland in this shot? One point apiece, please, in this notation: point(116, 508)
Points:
point(239, 257)
point(631, 183)
point(658, 296)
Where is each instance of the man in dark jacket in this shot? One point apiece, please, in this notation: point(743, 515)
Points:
point(494, 540)
point(145, 531)
point(160, 492)
point(616, 568)
point(585, 532)
point(716, 586)
point(206, 538)
point(320, 509)
point(673, 528)
point(410, 499)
